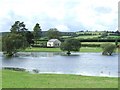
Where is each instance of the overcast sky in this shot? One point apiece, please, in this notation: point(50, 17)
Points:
point(65, 15)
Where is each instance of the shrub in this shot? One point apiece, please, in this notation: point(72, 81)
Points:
point(70, 45)
point(90, 45)
point(108, 48)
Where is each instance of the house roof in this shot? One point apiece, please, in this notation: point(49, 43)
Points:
point(52, 40)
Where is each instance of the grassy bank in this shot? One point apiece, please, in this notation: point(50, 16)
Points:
point(17, 79)
point(83, 49)
point(91, 49)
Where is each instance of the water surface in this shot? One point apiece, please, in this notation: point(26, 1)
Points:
point(91, 64)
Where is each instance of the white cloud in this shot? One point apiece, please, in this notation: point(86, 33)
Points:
point(86, 14)
point(91, 14)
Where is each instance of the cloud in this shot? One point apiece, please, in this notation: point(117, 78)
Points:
point(67, 15)
point(62, 28)
point(103, 10)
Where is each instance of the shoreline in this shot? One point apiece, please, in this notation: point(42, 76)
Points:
point(35, 71)
point(82, 49)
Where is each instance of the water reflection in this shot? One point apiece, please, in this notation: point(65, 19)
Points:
point(39, 54)
point(93, 64)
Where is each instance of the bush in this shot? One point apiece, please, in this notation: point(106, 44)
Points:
point(108, 48)
point(90, 45)
point(35, 70)
point(11, 43)
point(70, 45)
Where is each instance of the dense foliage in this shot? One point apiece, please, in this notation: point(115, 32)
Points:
point(29, 37)
point(16, 39)
point(12, 42)
point(37, 32)
point(53, 33)
point(108, 48)
point(104, 34)
point(70, 45)
point(18, 28)
point(19, 33)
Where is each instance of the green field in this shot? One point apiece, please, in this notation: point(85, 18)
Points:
point(17, 79)
point(95, 32)
point(87, 37)
point(91, 49)
point(96, 42)
point(66, 37)
point(118, 37)
point(0, 79)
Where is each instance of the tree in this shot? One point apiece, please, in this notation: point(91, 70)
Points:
point(12, 42)
point(37, 32)
point(18, 28)
point(74, 35)
point(104, 34)
point(53, 33)
point(116, 42)
point(70, 45)
point(15, 40)
point(108, 48)
point(29, 37)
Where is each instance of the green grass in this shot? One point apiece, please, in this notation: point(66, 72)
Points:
point(82, 49)
point(114, 36)
point(66, 37)
point(96, 42)
point(91, 49)
point(87, 36)
point(93, 44)
point(97, 33)
point(17, 79)
point(0, 79)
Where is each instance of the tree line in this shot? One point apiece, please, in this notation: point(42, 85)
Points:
point(20, 38)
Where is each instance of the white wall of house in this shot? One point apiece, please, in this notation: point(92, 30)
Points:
point(50, 44)
point(54, 43)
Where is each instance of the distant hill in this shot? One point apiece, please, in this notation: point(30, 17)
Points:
point(44, 33)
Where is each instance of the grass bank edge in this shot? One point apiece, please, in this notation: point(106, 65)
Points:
point(82, 49)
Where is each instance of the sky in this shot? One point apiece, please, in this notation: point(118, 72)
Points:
point(65, 15)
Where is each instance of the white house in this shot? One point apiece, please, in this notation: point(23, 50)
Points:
point(53, 43)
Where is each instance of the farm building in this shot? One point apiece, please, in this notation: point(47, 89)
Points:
point(53, 43)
